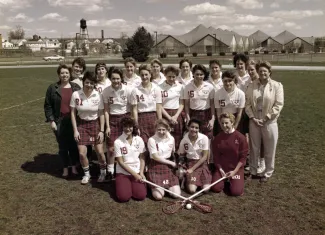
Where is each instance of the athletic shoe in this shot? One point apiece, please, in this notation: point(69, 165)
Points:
point(261, 166)
point(85, 179)
point(101, 178)
point(264, 179)
point(110, 176)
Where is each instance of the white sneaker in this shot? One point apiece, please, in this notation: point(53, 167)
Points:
point(261, 166)
point(85, 179)
point(101, 178)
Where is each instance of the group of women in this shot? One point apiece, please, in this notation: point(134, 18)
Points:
point(147, 124)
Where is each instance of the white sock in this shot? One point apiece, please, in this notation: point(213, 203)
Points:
point(86, 170)
point(110, 168)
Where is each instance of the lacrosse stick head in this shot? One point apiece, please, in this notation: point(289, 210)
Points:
point(201, 207)
point(173, 207)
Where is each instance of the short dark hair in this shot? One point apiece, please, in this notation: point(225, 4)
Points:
point(127, 121)
point(63, 66)
point(116, 70)
point(100, 65)
point(200, 67)
point(241, 57)
point(81, 62)
point(90, 76)
point(230, 74)
point(172, 69)
point(185, 60)
point(194, 120)
point(215, 62)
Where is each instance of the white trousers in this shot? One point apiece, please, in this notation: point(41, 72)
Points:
point(269, 134)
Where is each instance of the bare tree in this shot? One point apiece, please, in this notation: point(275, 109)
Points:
point(17, 33)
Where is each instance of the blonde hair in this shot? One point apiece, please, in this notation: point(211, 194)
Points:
point(130, 60)
point(145, 67)
point(156, 61)
point(228, 115)
point(164, 123)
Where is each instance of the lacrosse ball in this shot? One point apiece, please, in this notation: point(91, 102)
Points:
point(188, 206)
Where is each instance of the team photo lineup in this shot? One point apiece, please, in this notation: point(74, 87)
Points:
point(169, 129)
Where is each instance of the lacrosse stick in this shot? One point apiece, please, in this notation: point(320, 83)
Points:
point(172, 207)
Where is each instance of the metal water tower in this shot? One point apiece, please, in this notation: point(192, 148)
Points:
point(83, 29)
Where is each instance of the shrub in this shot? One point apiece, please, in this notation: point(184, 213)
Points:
point(257, 52)
point(283, 51)
point(275, 50)
point(209, 53)
point(181, 54)
point(246, 52)
point(194, 54)
point(234, 53)
point(222, 53)
point(266, 52)
point(163, 55)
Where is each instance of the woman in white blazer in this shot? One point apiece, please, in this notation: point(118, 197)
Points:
point(264, 102)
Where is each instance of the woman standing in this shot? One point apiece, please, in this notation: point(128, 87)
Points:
point(185, 76)
point(57, 112)
point(161, 147)
point(230, 99)
point(264, 102)
point(88, 130)
point(149, 102)
point(215, 74)
point(78, 68)
point(195, 147)
point(199, 104)
point(131, 78)
point(173, 103)
point(240, 63)
point(129, 149)
point(103, 81)
point(157, 76)
point(119, 101)
point(229, 149)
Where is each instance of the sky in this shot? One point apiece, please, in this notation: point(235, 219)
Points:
point(60, 18)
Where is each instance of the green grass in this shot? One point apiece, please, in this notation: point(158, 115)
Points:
point(35, 200)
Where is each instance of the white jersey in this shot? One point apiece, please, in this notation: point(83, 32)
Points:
point(194, 152)
point(183, 81)
point(229, 102)
point(199, 96)
point(161, 79)
point(78, 81)
point(119, 100)
point(100, 87)
point(147, 99)
point(87, 107)
point(243, 82)
point(133, 82)
point(171, 95)
point(129, 152)
point(218, 85)
point(162, 147)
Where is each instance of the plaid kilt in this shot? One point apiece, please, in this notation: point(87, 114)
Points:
point(162, 175)
point(116, 128)
point(177, 130)
point(146, 123)
point(88, 131)
point(204, 116)
point(201, 176)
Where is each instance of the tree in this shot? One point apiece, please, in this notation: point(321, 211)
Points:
point(139, 45)
point(18, 33)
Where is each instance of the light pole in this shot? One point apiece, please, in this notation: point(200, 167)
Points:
point(77, 43)
point(215, 43)
point(156, 43)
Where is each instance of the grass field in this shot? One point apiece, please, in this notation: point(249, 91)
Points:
point(35, 200)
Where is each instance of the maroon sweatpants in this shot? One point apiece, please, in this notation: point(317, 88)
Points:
point(236, 187)
point(126, 187)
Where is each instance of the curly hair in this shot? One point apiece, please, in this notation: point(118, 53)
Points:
point(129, 122)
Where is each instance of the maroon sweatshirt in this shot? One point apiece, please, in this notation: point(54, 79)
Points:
point(229, 149)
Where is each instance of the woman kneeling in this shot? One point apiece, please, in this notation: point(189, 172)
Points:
point(129, 149)
point(230, 151)
point(161, 147)
point(195, 146)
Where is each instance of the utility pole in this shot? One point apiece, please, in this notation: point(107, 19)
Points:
point(156, 43)
point(215, 43)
